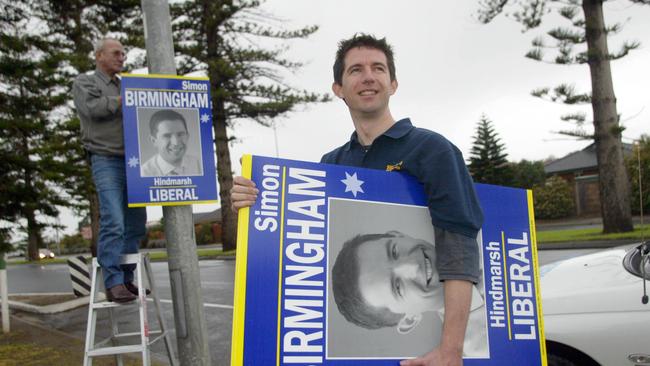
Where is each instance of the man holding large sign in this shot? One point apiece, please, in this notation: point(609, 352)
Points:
point(364, 78)
point(98, 102)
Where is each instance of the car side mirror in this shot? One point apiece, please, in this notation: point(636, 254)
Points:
point(637, 262)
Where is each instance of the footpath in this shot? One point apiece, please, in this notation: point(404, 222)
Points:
point(32, 342)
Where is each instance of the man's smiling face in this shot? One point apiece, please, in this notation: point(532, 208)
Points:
point(171, 140)
point(366, 85)
point(398, 273)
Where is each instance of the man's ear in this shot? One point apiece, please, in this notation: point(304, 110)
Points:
point(408, 323)
point(152, 139)
point(395, 233)
point(336, 89)
point(393, 85)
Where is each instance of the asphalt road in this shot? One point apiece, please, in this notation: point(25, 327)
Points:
point(217, 282)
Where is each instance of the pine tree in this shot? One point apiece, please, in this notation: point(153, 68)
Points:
point(30, 93)
point(488, 159)
point(224, 39)
point(583, 42)
point(77, 25)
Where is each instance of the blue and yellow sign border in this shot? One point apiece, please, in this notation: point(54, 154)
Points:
point(168, 190)
point(257, 318)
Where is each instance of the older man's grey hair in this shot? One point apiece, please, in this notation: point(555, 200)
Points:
point(99, 45)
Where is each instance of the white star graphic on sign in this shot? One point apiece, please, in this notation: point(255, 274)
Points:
point(205, 118)
point(352, 184)
point(133, 162)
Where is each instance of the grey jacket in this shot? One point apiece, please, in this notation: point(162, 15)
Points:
point(96, 99)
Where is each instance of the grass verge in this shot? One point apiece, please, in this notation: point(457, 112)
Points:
point(203, 254)
point(28, 345)
point(577, 235)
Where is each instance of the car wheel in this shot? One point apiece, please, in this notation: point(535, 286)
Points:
point(555, 360)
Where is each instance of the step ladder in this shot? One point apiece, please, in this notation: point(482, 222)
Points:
point(116, 339)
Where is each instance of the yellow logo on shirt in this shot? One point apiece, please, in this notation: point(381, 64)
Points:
point(398, 166)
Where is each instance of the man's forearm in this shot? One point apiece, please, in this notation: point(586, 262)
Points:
point(458, 298)
point(90, 100)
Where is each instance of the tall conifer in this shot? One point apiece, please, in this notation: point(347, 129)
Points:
point(30, 94)
point(584, 40)
point(241, 49)
point(488, 159)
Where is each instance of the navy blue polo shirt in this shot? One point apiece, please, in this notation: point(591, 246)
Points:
point(433, 160)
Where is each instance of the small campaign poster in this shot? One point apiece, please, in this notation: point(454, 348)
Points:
point(168, 144)
point(336, 265)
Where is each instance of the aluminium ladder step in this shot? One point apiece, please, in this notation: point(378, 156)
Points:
point(104, 351)
point(147, 336)
point(109, 304)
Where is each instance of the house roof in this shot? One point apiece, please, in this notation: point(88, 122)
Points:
point(579, 160)
point(207, 217)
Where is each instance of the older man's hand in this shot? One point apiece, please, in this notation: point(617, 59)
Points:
point(438, 357)
point(243, 193)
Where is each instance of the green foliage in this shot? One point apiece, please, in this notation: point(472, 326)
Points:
point(74, 26)
point(488, 163)
point(242, 50)
point(204, 234)
point(5, 245)
point(554, 199)
point(568, 43)
point(527, 174)
point(642, 152)
point(223, 38)
point(29, 96)
point(74, 244)
point(583, 41)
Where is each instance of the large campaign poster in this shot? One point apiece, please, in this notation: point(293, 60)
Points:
point(168, 143)
point(336, 266)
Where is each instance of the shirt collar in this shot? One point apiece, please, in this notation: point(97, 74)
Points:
point(105, 78)
point(398, 130)
point(166, 168)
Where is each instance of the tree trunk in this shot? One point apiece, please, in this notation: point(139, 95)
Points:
point(224, 166)
point(29, 211)
point(224, 174)
point(613, 182)
point(33, 234)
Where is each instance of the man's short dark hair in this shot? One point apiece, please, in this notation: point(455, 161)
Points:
point(362, 40)
point(346, 291)
point(164, 115)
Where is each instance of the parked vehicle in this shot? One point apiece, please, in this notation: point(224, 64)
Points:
point(45, 254)
point(595, 308)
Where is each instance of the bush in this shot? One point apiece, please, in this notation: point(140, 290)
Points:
point(554, 199)
point(527, 174)
point(204, 234)
point(72, 244)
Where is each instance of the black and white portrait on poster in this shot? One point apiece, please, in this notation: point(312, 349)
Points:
point(383, 284)
point(169, 140)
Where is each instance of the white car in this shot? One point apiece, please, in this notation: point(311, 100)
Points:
point(593, 309)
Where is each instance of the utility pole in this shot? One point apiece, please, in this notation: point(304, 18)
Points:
point(189, 319)
point(4, 293)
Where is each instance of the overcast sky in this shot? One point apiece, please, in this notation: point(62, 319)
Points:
point(451, 69)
